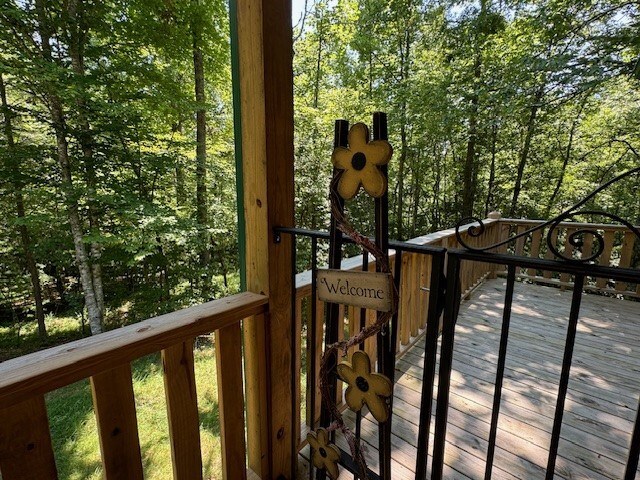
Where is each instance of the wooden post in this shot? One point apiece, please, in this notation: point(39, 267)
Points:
point(265, 81)
point(115, 410)
point(231, 402)
point(25, 441)
point(182, 410)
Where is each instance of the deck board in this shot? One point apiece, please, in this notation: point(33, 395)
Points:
point(601, 402)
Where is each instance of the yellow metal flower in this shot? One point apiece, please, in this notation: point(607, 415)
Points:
point(365, 387)
point(361, 162)
point(325, 455)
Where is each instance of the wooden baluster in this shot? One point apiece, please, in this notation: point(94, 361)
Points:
point(520, 242)
point(115, 410)
point(414, 287)
point(340, 338)
point(25, 442)
point(520, 246)
point(505, 228)
point(297, 393)
point(536, 238)
point(404, 315)
point(626, 252)
point(320, 305)
point(231, 401)
point(353, 314)
point(568, 253)
point(478, 267)
point(464, 266)
point(586, 250)
point(370, 316)
point(587, 246)
point(309, 417)
point(182, 410)
point(371, 343)
point(502, 231)
point(605, 256)
point(256, 388)
point(549, 254)
point(425, 279)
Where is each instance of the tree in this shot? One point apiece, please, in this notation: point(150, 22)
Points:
point(11, 166)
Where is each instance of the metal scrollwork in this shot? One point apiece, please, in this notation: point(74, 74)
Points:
point(475, 228)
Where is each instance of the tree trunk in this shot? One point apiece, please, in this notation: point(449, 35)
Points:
point(524, 154)
point(181, 192)
point(400, 180)
point(62, 150)
point(469, 171)
point(566, 158)
point(468, 187)
point(77, 29)
point(201, 144)
point(316, 83)
point(492, 171)
point(435, 206)
point(34, 274)
point(415, 193)
point(405, 50)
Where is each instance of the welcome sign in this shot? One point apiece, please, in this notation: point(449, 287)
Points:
point(359, 289)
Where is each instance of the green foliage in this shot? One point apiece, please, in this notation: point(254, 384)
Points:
point(523, 106)
point(549, 87)
point(74, 429)
point(133, 96)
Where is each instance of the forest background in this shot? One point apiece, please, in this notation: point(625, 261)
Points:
point(117, 189)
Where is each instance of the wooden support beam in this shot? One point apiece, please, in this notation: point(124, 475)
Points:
point(25, 442)
point(231, 401)
point(115, 410)
point(265, 80)
point(256, 380)
point(182, 410)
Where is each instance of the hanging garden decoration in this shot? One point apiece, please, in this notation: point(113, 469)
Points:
point(325, 455)
point(365, 387)
point(360, 164)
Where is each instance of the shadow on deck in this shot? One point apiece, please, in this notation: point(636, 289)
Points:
point(601, 402)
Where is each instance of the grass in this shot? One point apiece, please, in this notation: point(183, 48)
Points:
point(72, 421)
point(74, 430)
point(70, 409)
point(21, 337)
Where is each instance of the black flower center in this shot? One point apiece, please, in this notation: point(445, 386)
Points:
point(358, 161)
point(362, 384)
point(323, 452)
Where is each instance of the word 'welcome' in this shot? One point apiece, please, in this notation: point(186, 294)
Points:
point(359, 289)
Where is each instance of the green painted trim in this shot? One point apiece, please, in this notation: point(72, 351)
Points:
point(237, 134)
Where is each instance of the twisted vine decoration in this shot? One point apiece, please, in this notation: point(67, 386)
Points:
point(346, 228)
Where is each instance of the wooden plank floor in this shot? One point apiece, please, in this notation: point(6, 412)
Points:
point(601, 403)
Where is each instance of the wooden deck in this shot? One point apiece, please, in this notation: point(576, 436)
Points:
point(601, 402)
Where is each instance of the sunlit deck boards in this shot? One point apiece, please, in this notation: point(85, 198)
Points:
point(601, 401)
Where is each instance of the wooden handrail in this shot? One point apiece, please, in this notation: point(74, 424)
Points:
point(597, 226)
point(614, 253)
point(25, 441)
point(414, 303)
point(416, 270)
point(46, 370)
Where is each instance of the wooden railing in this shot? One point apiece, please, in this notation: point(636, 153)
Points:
point(412, 317)
point(619, 244)
point(25, 440)
point(415, 285)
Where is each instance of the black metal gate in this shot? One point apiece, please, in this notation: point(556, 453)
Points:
point(580, 264)
point(443, 306)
